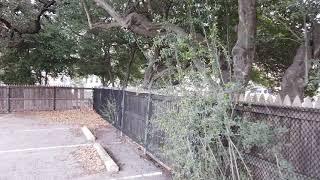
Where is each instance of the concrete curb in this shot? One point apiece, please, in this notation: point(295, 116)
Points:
point(150, 155)
point(110, 165)
point(88, 134)
point(107, 160)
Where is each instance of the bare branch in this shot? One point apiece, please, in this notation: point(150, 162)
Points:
point(5, 23)
point(111, 12)
point(139, 24)
point(12, 30)
point(87, 13)
point(282, 21)
point(3, 26)
point(34, 25)
point(105, 26)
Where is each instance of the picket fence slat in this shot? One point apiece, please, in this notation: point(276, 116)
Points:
point(277, 100)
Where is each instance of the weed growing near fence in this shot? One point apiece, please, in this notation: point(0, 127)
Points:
point(109, 110)
point(204, 136)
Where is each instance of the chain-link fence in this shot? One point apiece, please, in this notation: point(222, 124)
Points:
point(133, 118)
point(300, 146)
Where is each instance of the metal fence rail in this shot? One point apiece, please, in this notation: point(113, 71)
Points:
point(301, 143)
point(43, 98)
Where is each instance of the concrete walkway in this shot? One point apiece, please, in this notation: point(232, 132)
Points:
point(129, 157)
point(35, 150)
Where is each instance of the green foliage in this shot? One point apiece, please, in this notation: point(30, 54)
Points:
point(14, 70)
point(314, 79)
point(109, 111)
point(54, 52)
point(279, 35)
point(276, 48)
point(261, 78)
point(65, 46)
point(50, 51)
point(107, 55)
point(205, 137)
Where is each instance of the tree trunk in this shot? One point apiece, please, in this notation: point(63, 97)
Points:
point(46, 80)
point(103, 80)
point(150, 70)
point(244, 50)
point(39, 77)
point(293, 81)
point(225, 69)
point(131, 60)
point(109, 65)
point(148, 74)
point(316, 41)
point(295, 78)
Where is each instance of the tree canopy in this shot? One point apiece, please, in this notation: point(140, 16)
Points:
point(101, 37)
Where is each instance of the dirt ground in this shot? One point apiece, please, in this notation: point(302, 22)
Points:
point(87, 118)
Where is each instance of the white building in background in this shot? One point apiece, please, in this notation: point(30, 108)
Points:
point(89, 81)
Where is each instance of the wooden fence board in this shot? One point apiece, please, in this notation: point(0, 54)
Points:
point(3, 99)
point(43, 98)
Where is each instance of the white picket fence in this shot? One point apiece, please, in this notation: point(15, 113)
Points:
point(307, 102)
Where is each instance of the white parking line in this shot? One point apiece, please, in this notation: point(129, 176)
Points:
point(35, 130)
point(4, 116)
point(140, 176)
point(43, 148)
point(51, 129)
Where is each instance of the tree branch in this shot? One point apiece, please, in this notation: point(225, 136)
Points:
point(105, 26)
point(3, 26)
point(111, 12)
point(87, 13)
point(5, 23)
point(139, 24)
point(34, 26)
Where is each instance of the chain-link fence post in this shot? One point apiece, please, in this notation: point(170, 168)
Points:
point(122, 111)
point(147, 125)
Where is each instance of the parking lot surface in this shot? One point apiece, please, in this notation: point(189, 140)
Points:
point(31, 149)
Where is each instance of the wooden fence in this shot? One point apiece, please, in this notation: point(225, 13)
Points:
point(43, 98)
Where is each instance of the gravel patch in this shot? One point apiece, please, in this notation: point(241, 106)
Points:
point(87, 118)
point(89, 160)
